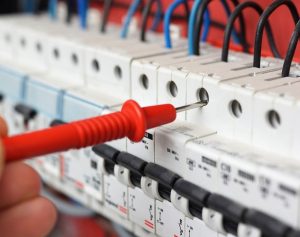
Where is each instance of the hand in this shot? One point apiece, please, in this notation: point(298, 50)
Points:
point(23, 213)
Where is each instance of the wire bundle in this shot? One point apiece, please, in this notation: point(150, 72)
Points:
point(197, 17)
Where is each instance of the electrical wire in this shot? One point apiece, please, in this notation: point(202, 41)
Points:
point(132, 10)
point(158, 17)
point(262, 23)
point(226, 6)
point(28, 6)
point(106, 10)
point(168, 16)
point(291, 51)
point(145, 17)
point(191, 26)
point(230, 25)
point(199, 21)
point(82, 6)
point(69, 11)
point(52, 9)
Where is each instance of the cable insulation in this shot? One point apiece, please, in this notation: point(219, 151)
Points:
point(145, 16)
point(263, 21)
point(191, 26)
point(199, 21)
point(106, 10)
point(230, 25)
point(131, 12)
point(168, 16)
point(291, 51)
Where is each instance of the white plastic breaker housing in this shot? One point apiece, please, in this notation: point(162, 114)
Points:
point(275, 118)
point(170, 143)
point(236, 104)
point(108, 67)
point(145, 72)
point(205, 85)
point(173, 80)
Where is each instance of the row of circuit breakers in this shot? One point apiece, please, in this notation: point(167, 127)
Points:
point(228, 169)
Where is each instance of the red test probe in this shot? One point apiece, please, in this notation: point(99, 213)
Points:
point(132, 122)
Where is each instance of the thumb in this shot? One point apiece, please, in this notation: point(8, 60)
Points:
point(3, 132)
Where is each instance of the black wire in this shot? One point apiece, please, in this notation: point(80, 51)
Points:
point(69, 11)
point(199, 22)
point(230, 24)
point(262, 23)
point(187, 10)
point(291, 51)
point(106, 10)
point(145, 16)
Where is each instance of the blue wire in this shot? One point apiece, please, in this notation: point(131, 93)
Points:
point(132, 10)
point(158, 16)
point(53, 9)
point(29, 5)
point(192, 22)
point(206, 24)
point(83, 9)
point(167, 22)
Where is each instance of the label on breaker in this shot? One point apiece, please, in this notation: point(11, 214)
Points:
point(169, 221)
point(141, 209)
point(201, 165)
point(278, 189)
point(83, 168)
point(115, 195)
point(238, 175)
point(197, 228)
point(143, 149)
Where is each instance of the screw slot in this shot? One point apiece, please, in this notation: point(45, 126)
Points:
point(95, 65)
point(23, 42)
point(202, 95)
point(144, 81)
point(38, 47)
point(118, 72)
point(74, 59)
point(235, 109)
point(56, 53)
point(173, 89)
point(274, 119)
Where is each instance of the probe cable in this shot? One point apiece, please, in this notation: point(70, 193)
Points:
point(132, 122)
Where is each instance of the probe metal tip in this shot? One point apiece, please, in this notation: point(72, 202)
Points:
point(196, 105)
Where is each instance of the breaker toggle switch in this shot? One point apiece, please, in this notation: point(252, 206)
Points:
point(231, 211)
point(269, 226)
point(135, 166)
point(164, 177)
point(109, 154)
point(196, 195)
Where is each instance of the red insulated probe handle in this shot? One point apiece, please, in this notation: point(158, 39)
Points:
point(131, 122)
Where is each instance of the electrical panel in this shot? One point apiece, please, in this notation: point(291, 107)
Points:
point(228, 169)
